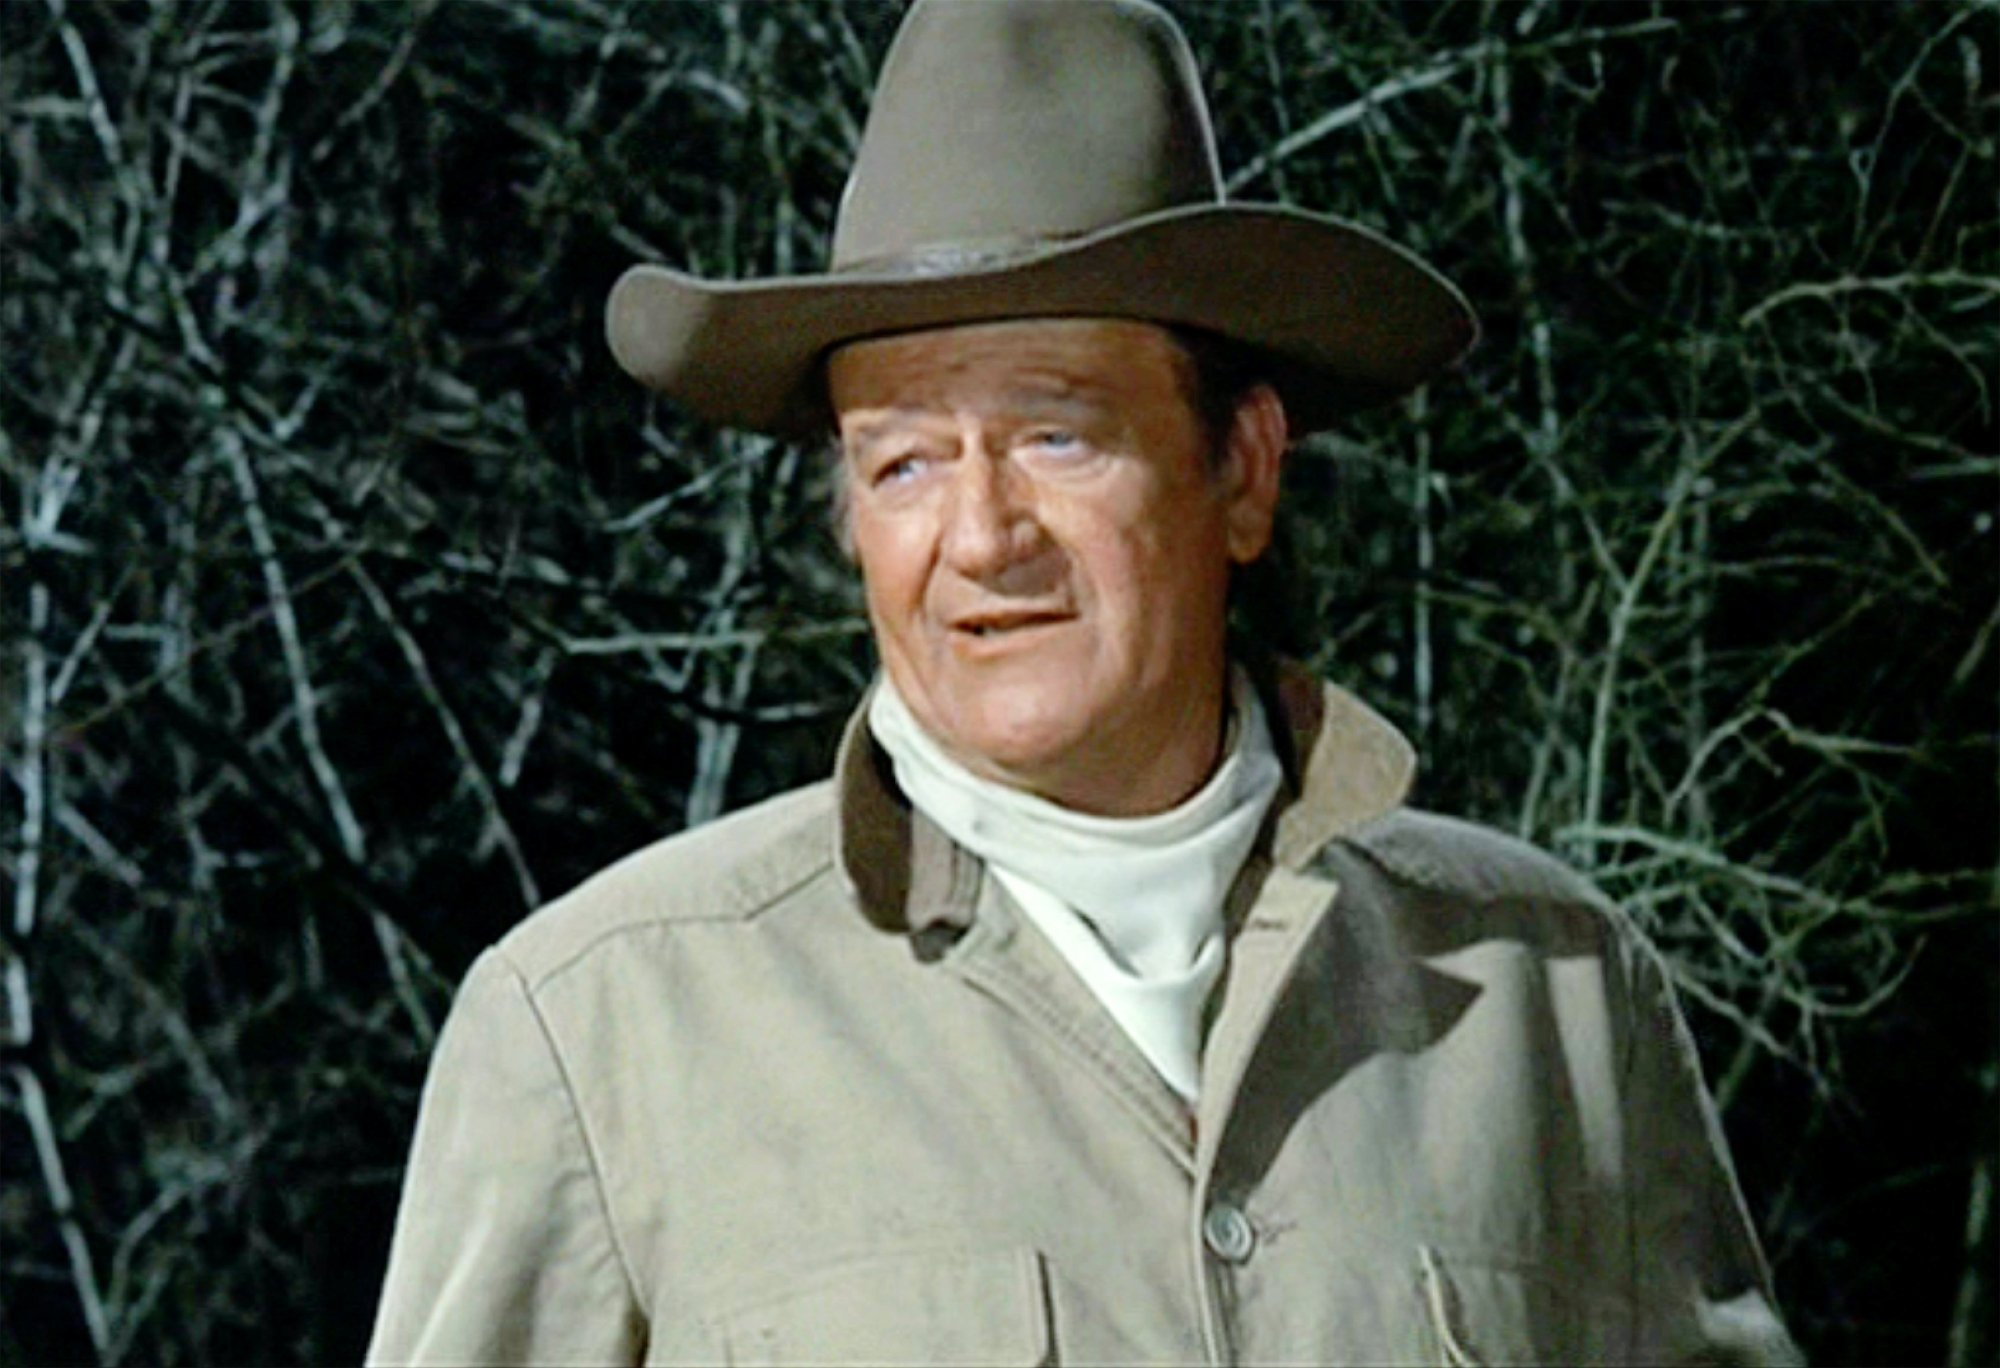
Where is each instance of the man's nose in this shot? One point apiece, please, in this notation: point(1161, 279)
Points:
point(990, 532)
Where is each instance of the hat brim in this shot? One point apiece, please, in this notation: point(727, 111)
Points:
point(1347, 319)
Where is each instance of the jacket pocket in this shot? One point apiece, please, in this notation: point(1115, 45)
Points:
point(921, 1307)
point(1483, 1311)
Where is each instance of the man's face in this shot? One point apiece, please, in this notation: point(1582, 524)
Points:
point(1046, 548)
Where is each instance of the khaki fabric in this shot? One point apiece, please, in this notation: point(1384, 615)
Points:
point(801, 1087)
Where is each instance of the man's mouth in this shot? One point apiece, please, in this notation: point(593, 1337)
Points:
point(999, 624)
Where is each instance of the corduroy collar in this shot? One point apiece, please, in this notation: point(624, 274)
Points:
point(1345, 765)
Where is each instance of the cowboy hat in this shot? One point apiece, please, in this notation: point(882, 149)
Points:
point(1046, 158)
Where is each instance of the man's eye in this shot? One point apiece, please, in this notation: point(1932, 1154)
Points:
point(1055, 441)
point(898, 470)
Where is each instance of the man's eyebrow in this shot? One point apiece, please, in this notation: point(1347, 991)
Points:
point(871, 431)
point(1057, 398)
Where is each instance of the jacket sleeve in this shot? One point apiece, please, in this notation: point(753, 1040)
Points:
point(1701, 1281)
point(503, 1250)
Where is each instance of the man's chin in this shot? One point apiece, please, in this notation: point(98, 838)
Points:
point(1032, 754)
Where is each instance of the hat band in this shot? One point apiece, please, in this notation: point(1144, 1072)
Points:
point(957, 258)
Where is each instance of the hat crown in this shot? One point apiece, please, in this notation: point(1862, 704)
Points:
point(1001, 124)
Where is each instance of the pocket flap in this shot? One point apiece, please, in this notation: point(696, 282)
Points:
point(1484, 1312)
point(930, 1307)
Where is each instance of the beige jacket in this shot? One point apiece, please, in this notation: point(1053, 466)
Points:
point(800, 1086)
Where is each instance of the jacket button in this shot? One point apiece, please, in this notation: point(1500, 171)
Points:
point(1228, 1233)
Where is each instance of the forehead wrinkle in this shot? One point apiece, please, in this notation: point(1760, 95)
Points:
point(1061, 399)
point(992, 369)
point(1076, 400)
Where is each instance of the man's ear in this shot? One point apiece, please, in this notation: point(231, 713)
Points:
point(1250, 472)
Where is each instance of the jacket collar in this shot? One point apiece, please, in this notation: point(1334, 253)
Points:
point(1345, 765)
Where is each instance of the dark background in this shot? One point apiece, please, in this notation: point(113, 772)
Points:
point(352, 604)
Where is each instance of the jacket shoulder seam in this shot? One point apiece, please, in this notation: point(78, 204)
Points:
point(693, 877)
point(554, 970)
point(1464, 859)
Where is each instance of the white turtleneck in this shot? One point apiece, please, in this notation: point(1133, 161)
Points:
point(1134, 904)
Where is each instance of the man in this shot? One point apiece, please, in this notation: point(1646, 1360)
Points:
point(1107, 1005)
